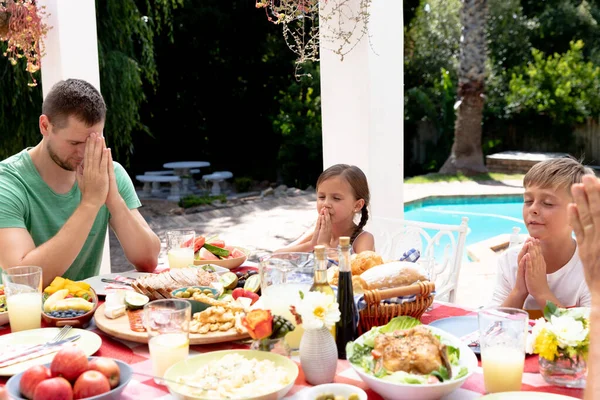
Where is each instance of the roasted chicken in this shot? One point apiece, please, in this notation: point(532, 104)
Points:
point(415, 351)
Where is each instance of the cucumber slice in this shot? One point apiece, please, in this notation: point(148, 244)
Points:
point(217, 251)
point(135, 301)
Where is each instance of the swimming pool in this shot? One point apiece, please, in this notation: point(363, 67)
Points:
point(489, 216)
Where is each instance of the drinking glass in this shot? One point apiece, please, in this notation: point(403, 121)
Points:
point(180, 248)
point(167, 323)
point(282, 276)
point(23, 290)
point(502, 338)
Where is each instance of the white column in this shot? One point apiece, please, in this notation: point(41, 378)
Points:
point(363, 106)
point(72, 52)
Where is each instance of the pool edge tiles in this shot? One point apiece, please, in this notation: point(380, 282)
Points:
point(461, 199)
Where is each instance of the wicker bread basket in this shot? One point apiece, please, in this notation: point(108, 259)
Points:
point(377, 313)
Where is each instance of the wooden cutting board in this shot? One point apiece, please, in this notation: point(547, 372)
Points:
point(119, 328)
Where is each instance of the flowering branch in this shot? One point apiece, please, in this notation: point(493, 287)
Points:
point(342, 25)
point(22, 27)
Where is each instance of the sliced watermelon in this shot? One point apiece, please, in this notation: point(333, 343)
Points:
point(198, 243)
point(235, 253)
point(218, 243)
point(230, 248)
point(207, 255)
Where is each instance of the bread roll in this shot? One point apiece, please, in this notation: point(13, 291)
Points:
point(391, 275)
point(365, 260)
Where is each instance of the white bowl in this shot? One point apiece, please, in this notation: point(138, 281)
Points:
point(337, 389)
point(190, 365)
point(398, 391)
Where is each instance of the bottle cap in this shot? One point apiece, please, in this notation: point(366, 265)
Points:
point(344, 240)
point(320, 251)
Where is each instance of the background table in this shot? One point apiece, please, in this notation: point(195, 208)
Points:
point(182, 168)
point(136, 355)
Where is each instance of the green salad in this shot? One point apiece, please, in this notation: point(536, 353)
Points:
point(362, 354)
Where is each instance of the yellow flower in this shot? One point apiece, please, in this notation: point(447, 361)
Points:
point(546, 345)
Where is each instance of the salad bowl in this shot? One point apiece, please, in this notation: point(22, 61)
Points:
point(412, 386)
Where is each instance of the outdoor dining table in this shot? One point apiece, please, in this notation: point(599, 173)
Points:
point(137, 355)
point(182, 169)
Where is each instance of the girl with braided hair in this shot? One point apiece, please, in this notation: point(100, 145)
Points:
point(342, 194)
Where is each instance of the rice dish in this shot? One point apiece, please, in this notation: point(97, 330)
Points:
point(234, 377)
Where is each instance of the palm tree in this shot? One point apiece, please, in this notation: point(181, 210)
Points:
point(467, 155)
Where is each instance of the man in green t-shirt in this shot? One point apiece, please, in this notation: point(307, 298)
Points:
point(57, 198)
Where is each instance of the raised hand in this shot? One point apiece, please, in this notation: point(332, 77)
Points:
point(92, 174)
point(315, 237)
point(584, 217)
point(535, 272)
point(113, 190)
point(325, 231)
point(521, 285)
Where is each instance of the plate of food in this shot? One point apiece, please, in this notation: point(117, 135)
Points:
point(3, 312)
point(220, 321)
point(247, 374)
point(91, 386)
point(217, 252)
point(99, 284)
point(441, 364)
point(67, 302)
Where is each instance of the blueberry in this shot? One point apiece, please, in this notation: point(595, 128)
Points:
point(251, 272)
point(241, 283)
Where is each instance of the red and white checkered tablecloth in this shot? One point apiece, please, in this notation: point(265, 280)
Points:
point(136, 355)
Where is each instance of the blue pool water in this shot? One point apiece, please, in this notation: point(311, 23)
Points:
point(489, 216)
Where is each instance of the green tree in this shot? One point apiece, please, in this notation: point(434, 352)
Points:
point(466, 155)
point(300, 157)
point(126, 31)
point(564, 87)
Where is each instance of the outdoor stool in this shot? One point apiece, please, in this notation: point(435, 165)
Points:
point(156, 180)
point(215, 178)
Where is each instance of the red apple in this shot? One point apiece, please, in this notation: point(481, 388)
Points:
point(53, 389)
point(109, 368)
point(69, 362)
point(31, 378)
point(90, 383)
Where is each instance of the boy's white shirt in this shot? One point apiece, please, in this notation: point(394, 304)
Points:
point(567, 284)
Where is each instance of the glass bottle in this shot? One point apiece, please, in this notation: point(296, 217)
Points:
point(346, 327)
point(320, 283)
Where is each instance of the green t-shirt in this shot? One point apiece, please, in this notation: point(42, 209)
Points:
point(26, 201)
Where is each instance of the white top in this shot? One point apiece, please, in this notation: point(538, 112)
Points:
point(186, 164)
point(567, 284)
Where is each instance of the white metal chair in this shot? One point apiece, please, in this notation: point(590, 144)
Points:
point(441, 247)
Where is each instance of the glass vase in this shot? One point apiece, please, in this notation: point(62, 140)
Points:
point(564, 370)
point(277, 346)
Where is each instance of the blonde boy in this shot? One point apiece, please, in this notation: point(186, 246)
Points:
point(547, 267)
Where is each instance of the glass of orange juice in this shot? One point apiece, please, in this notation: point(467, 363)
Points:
point(180, 248)
point(167, 323)
point(502, 338)
point(23, 289)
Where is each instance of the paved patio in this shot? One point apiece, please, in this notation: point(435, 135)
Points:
point(274, 222)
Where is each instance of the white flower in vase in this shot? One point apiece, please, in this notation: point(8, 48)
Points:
point(317, 310)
